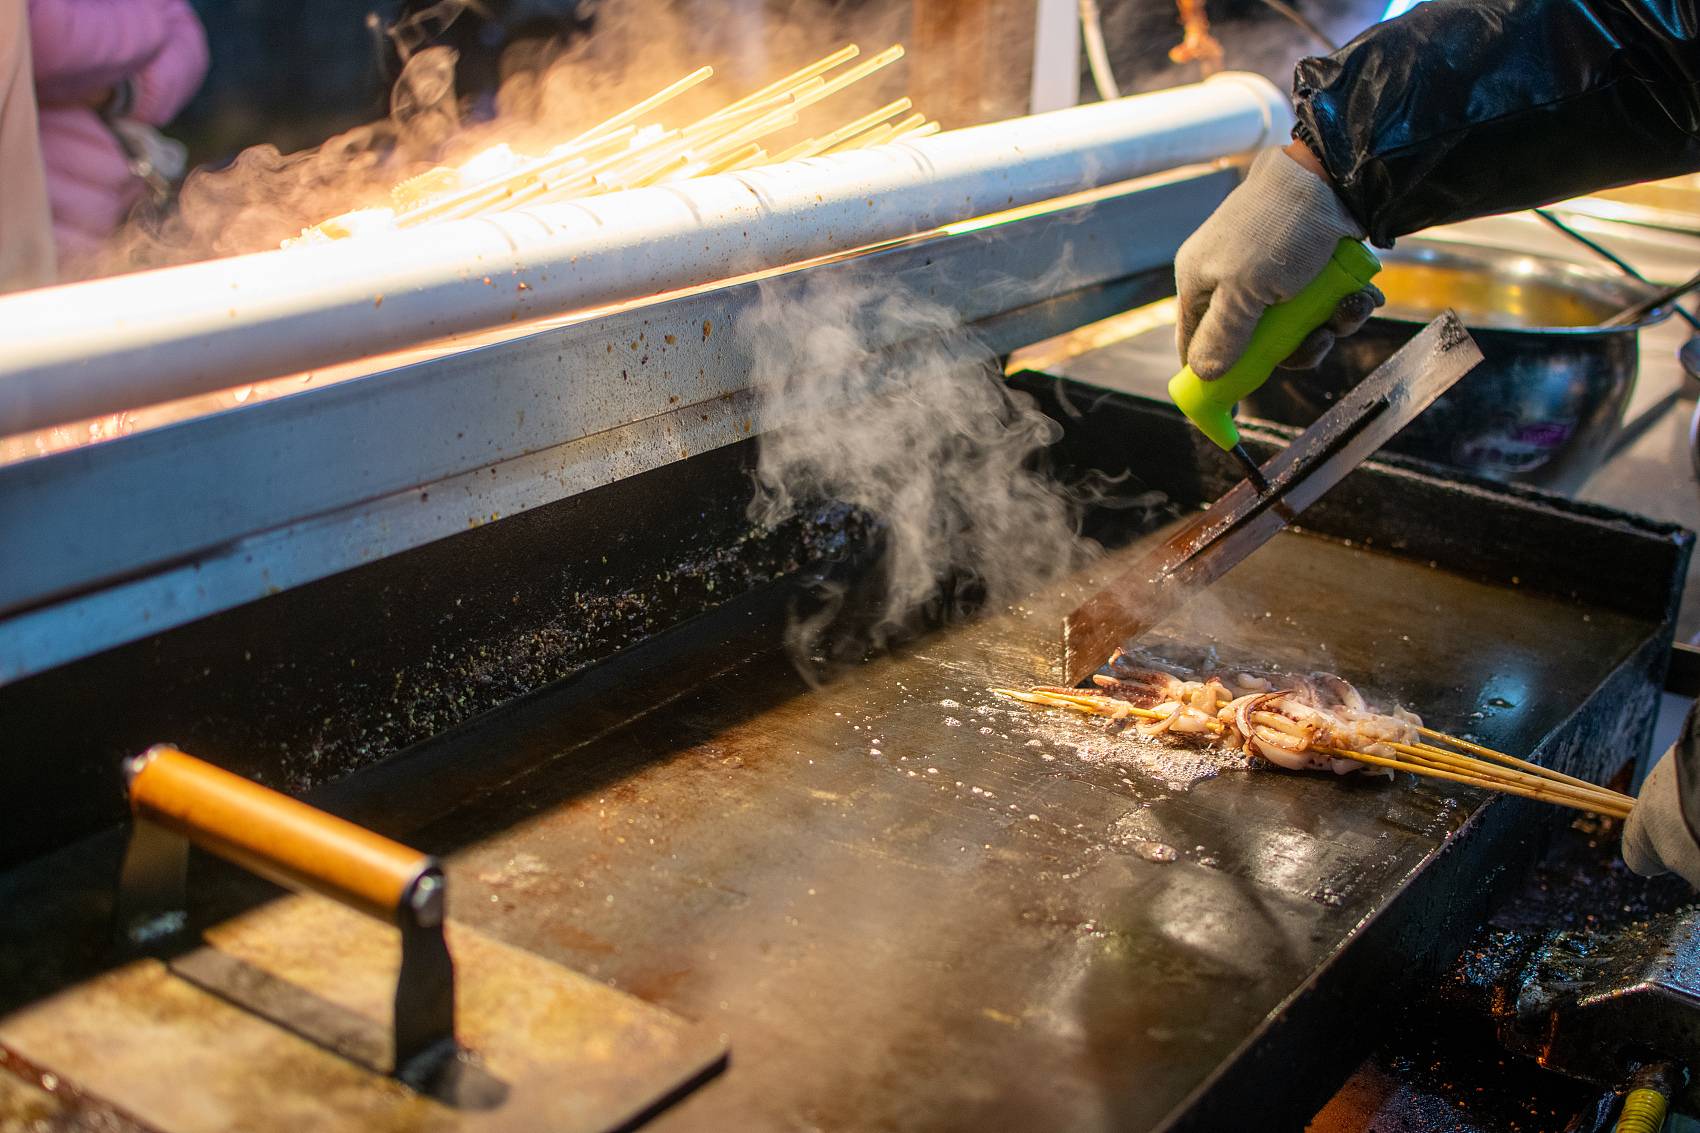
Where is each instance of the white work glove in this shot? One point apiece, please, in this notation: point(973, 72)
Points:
point(1261, 246)
point(1656, 838)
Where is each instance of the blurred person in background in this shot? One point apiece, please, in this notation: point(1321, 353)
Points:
point(491, 39)
point(108, 74)
point(26, 242)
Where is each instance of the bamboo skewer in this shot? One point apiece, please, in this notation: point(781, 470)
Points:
point(716, 124)
point(925, 130)
point(660, 98)
point(865, 139)
point(854, 75)
point(1482, 770)
point(795, 79)
point(489, 193)
point(1534, 770)
point(1487, 773)
point(666, 171)
point(751, 152)
point(806, 90)
point(812, 146)
point(908, 125)
point(1466, 744)
point(1575, 802)
point(631, 149)
point(1120, 711)
point(1508, 776)
point(576, 183)
point(543, 167)
point(738, 139)
point(1501, 757)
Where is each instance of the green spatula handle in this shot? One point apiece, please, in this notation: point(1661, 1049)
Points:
point(1210, 405)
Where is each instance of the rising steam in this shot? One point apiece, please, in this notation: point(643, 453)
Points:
point(549, 91)
point(923, 437)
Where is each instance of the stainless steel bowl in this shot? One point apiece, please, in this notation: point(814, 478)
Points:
point(1543, 406)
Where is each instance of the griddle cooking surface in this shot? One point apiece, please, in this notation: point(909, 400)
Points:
point(904, 924)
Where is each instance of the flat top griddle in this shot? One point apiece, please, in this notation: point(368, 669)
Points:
point(945, 929)
point(906, 924)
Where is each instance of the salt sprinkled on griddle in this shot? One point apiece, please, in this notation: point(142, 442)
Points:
point(1174, 767)
point(1156, 852)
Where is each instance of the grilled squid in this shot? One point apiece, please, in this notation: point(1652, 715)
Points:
point(1290, 720)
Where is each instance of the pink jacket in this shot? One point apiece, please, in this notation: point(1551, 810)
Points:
point(81, 50)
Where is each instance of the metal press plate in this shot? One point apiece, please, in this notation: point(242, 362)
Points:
point(568, 1053)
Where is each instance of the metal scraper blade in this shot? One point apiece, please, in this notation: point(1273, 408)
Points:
point(1245, 518)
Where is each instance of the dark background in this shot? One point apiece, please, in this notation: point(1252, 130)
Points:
point(294, 74)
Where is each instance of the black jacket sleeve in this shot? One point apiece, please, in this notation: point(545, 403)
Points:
point(1687, 756)
point(1462, 108)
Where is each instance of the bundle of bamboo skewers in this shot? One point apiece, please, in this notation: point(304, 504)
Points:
point(636, 148)
point(1436, 755)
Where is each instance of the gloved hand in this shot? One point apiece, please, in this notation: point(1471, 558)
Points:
point(1270, 238)
point(1656, 839)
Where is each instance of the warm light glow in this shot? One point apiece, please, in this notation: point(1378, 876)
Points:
point(497, 161)
point(357, 222)
point(633, 149)
point(1052, 352)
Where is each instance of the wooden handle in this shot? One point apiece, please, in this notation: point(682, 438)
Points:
point(282, 839)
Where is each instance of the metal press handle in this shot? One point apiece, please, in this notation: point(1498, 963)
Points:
point(283, 839)
point(178, 800)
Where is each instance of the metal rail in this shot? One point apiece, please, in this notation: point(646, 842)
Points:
point(115, 344)
point(244, 503)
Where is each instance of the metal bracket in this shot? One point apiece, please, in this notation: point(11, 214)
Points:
point(1596, 1005)
point(153, 887)
point(1683, 676)
point(152, 907)
point(424, 1013)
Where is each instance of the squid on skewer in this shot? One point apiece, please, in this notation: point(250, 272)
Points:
point(1292, 721)
point(1310, 723)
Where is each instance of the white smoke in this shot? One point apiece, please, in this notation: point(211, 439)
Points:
point(880, 399)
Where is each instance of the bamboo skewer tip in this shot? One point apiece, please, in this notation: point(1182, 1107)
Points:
point(1501, 773)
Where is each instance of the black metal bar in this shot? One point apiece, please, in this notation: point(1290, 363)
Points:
point(152, 896)
point(1683, 676)
point(151, 908)
point(424, 1020)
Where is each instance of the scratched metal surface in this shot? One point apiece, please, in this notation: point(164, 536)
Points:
point(886, 949)
point(142, 1033)
point(898, 923)
point(904, 924)
point(27, 1108)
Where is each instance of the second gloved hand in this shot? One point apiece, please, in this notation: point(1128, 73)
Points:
point(1263, 245)
point(1656, 838)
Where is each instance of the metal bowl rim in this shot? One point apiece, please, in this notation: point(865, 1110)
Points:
point(1555, 270)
